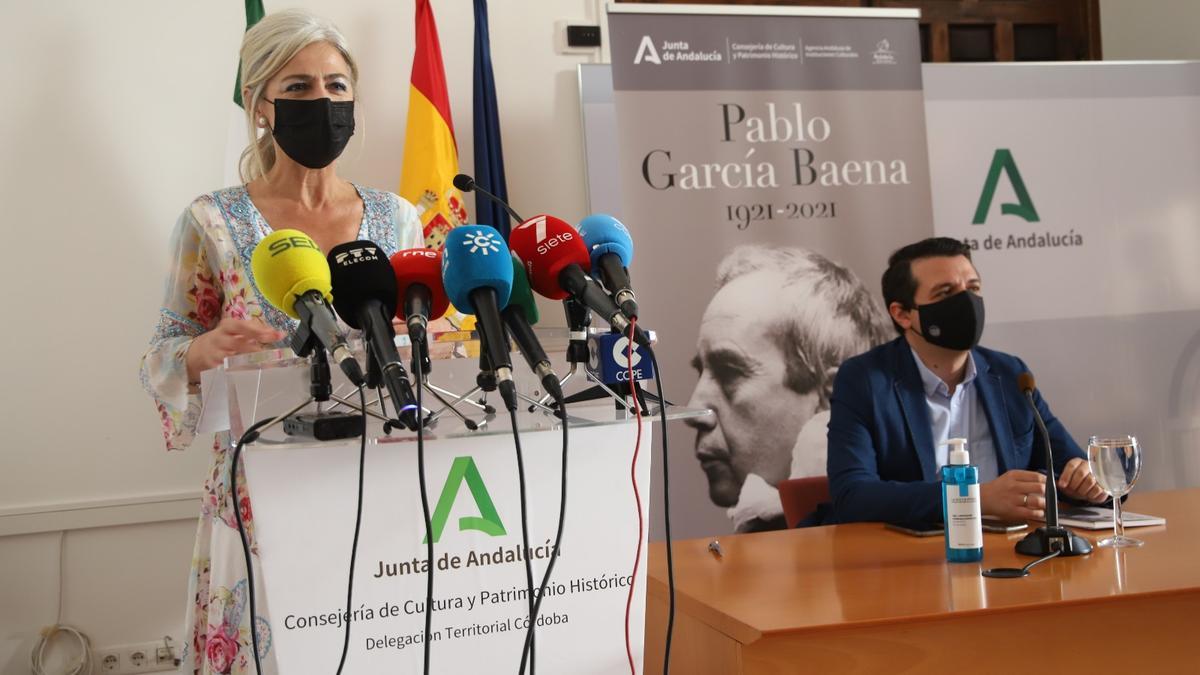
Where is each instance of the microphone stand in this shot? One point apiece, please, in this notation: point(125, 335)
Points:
point(1052, 537)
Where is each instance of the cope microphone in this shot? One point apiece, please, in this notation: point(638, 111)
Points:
point(421, 297)
point(1051, 537)
point(291, 273)
point(520, 315)
point(364, 295)
point(477, 275)
point(467, 184)
point(554, 257)
point(611, 249)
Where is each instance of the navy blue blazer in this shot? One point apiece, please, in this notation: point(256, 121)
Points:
point(881, 461)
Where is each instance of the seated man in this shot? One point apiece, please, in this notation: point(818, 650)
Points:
point(894, 407)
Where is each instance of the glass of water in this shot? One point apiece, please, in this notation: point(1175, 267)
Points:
point(1116, 463)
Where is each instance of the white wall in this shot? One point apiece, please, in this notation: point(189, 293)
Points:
point(1156, 30)
point(115, 120)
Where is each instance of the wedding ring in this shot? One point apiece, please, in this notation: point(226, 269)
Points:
point(1025, 500)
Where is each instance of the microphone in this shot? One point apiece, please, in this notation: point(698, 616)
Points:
point(1051, 537)
point(477, 275)
point(421, 296)
point(467, 184)
point(520, 315)
point(364, 295)
point(611, 249)
point(554, 256)
point(291, 273)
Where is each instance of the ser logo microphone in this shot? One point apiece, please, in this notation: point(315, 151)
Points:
point(288, 243)
point(357, 255)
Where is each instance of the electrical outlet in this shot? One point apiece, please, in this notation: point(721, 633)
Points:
point(145, 657)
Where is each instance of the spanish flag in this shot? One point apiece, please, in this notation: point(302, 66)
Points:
point(430, 153)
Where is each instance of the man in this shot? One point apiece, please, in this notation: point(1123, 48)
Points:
point(770, 342)
point(894, 407)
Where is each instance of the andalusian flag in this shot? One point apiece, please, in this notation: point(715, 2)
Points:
point(430, 153)
point(235, 139)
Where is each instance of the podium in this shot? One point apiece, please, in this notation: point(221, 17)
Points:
point(304, 496)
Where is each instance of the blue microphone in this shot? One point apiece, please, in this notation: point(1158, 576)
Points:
point(611, 250)
point(477, 272)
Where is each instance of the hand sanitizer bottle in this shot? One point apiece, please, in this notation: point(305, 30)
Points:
point(960, 505)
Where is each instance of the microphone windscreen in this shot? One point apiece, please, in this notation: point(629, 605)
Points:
point(420, 266)
point(360, 273)
point(545, 246)
point(464, 182)
point(1026, 383)
point(522, 295)
point(604, 234)
point(475, 256)
point(287, 264)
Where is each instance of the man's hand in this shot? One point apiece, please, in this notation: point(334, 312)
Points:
point(1016, 496)
point(231, 336)
point(1078, 482)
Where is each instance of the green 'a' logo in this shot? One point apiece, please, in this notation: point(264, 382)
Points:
point(1003, 161)
point(488, 520)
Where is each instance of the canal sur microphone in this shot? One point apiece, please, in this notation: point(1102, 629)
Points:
point(611, 250)
point(477, 274)
point(291, 273)
point(364, 295)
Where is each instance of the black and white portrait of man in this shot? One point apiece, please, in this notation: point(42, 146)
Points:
point(771, 339)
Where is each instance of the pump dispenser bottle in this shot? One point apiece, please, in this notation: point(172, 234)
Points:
point(960, 505)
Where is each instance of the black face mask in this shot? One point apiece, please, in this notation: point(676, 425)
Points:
point(313, 132)
point(954, 323)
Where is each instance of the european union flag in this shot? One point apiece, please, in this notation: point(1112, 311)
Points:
point(489, 152)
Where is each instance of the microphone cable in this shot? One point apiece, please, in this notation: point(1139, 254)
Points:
point(562, 513)
point(362, 460)
point(418, 374)
point(666, 464)
point(637, 558)
point(529, 644)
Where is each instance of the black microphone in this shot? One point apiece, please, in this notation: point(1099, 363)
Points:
point(467, 184)
point(1052, 537)
point(520, 315)
point(365, 296)
point(579, 318)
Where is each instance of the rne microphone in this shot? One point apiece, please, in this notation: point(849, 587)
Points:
point(291, 273)
point(554, 257)
point(520, 315)
point(477, 275)
point(421, 298)
point(467, 184)
point(364, 295)
point(611, 250)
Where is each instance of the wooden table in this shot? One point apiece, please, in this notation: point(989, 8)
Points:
point(862, 599)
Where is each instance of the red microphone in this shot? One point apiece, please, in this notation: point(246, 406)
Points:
point(420, 294)
point(555, 257)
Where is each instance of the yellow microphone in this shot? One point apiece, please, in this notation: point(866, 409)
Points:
point(291, 273)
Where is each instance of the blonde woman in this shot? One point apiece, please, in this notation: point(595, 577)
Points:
point(299, 85)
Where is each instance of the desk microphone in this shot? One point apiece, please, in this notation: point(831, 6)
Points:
point(467, 184)
point(1051, 536)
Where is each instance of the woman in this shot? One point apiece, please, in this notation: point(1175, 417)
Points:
point(299, 81)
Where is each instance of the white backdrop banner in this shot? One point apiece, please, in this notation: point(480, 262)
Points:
point(1076, 184)
point(304, 501)
point(769, 160)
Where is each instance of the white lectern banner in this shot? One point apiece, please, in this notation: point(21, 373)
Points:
point(304, 500)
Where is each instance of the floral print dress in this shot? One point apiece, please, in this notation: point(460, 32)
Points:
point(210, 279)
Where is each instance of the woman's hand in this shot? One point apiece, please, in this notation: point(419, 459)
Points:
point(230, 337)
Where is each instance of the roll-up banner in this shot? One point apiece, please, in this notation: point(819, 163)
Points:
point(769, 160)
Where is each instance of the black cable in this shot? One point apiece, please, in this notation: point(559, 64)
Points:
point(249, 436)
point(362, 461)
point(562, 513)
point(662, 409)
point(417, 375)
point(529, 650)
